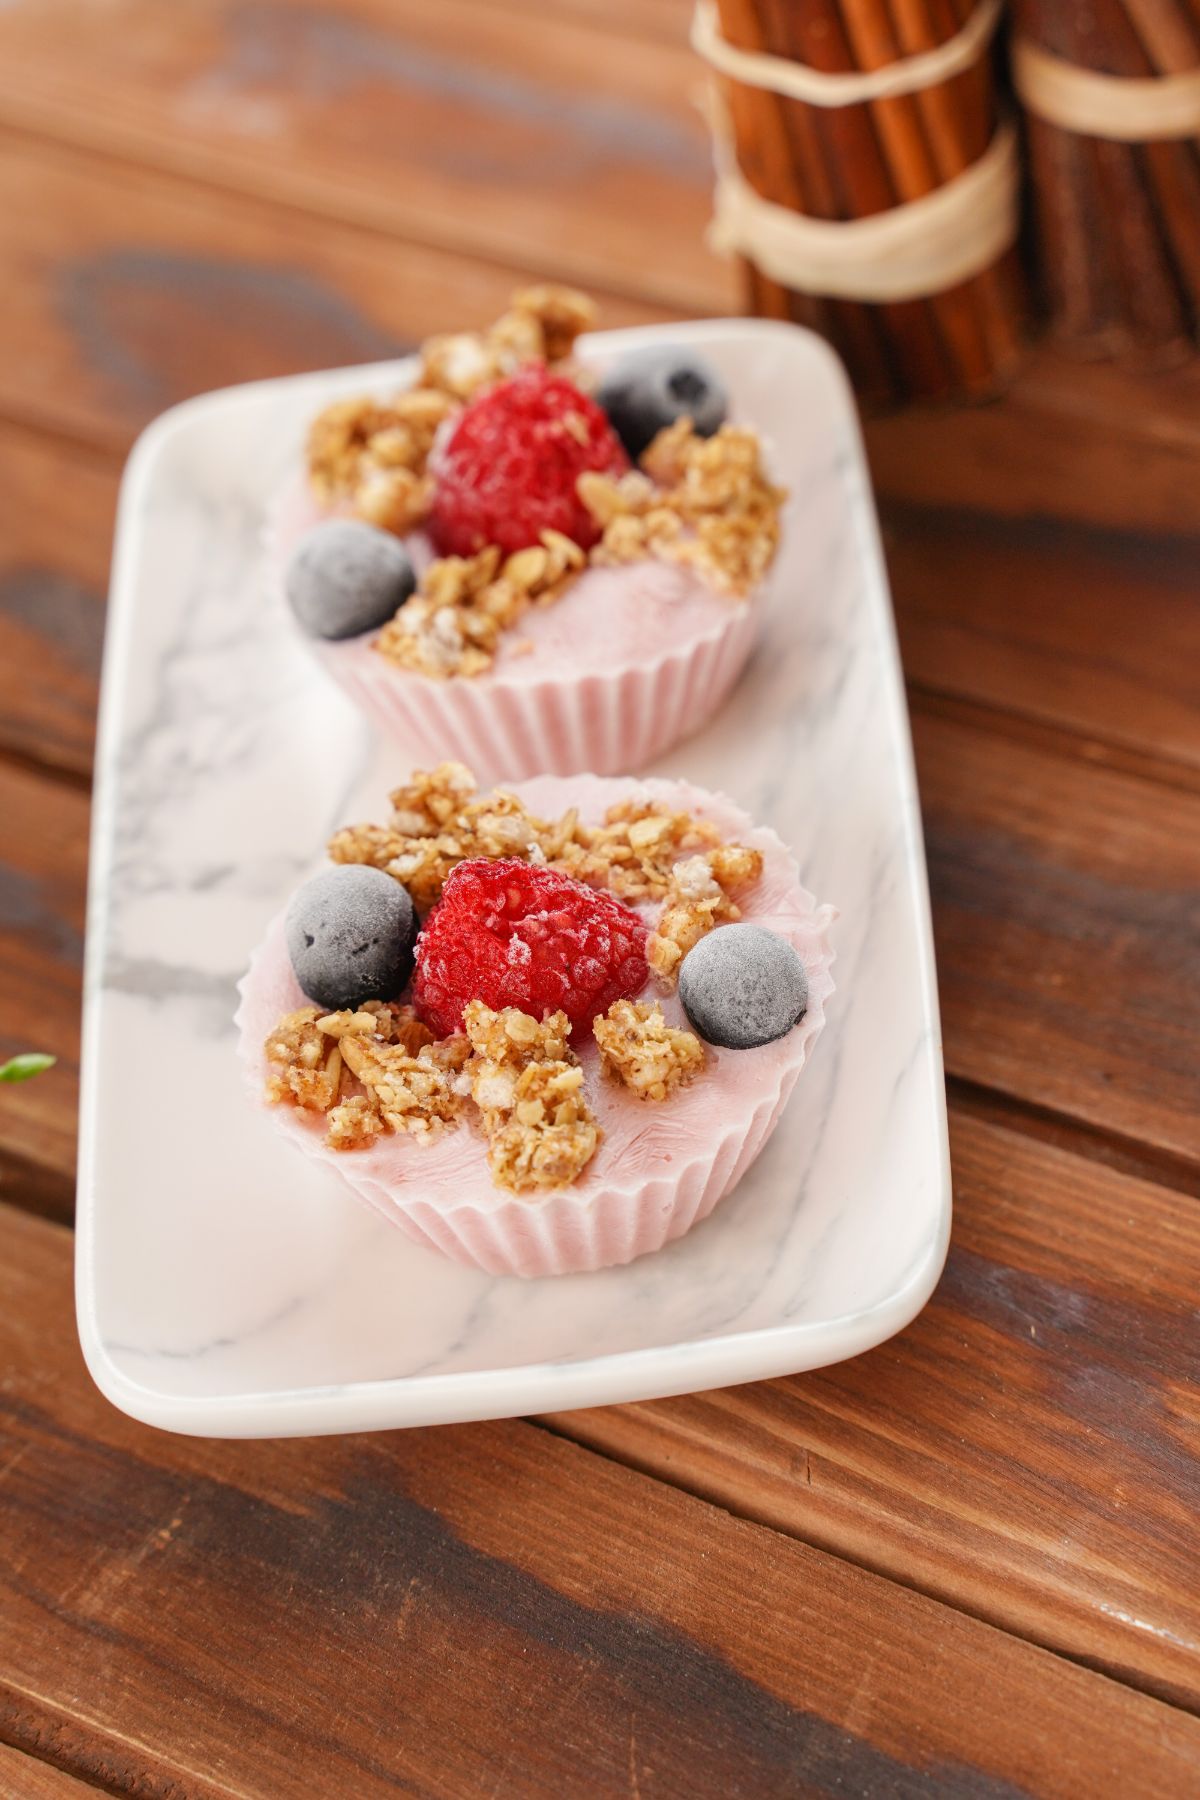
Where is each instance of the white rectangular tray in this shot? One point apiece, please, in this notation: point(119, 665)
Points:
point(227, 1287)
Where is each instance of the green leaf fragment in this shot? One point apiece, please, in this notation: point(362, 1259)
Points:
point(20, 1068)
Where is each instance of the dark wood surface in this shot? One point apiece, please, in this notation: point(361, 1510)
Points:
point(963, 1564)
point(481, 1610)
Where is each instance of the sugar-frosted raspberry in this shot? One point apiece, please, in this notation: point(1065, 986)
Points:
point(513, 934)
point(507, 472)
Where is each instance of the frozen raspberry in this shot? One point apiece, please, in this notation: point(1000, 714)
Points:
point(507, 472)
point(514, 934)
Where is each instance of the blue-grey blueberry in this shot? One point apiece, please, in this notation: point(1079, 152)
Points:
point(346, 577)
point(650, 389)
point(350, 935)
point(742, 986)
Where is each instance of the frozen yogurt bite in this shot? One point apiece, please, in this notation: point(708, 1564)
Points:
point(540, 1029)
point(538, 562)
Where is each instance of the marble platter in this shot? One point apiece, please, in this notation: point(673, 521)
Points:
point(227, 1287)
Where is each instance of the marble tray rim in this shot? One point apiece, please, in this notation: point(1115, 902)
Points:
point(650, 1372)
point(616, 1378)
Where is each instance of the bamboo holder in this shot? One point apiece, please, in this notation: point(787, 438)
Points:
point(899, 158)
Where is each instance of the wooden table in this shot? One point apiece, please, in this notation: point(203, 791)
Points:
point(965, 1564)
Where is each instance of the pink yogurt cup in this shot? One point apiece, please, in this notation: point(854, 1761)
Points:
point(661, 1166)
point(629, 661)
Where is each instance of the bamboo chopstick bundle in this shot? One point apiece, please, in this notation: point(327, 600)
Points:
point(1111, 92)
point(877, 117)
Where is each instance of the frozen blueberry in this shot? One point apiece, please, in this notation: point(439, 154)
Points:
point(742, 986)
point(350, 934)
point(346, 577)
point(652, 388)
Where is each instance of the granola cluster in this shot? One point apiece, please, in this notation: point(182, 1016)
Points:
point(640, 1049)
point(541, 325)
point(528, 1086)
point(451, 625)
point(702, 502)
point(304, 1067)
point(371, 455)
point(440, 820)
point(642, 851)
point(636, 848)
point(380, 1069)
point(699, 896)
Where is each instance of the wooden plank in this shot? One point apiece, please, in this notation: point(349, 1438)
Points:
point(525, 139)
point(1103, 445)
point(127, 291)
point(57, 503)
point(43, 860)
point(25, 1778)
point(478, 1610)
point(1027, 1449)
point(1066, 920)
point(1091, 630)
point(666, 19)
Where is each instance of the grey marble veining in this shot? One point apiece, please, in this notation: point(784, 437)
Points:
point(226, 1285)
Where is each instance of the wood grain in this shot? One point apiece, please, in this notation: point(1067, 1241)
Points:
point(464, 125)
point(57, 503)
point(1028, 1449)
point(479, 1610)
point(128, 291)
point(1089, 630)
point(1066, 902)
point(1092, 443)
point(667, 19)
point(43, 860)
point(25, 1778)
